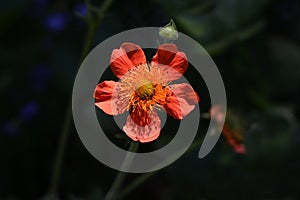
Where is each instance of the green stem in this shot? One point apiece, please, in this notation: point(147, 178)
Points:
point(88, 41)
point(57, 167)
point(103, 10)
point(138, 181)
point(60, 153)
point(120, 178)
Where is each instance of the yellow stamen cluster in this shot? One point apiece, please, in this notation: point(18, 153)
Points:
point(144, 88)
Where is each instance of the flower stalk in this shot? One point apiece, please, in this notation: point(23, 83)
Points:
point(92, 23)
point(120, 178)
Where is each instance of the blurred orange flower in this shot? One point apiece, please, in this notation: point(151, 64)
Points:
point(233, 137)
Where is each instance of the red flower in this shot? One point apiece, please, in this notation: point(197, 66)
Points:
point(144, 88)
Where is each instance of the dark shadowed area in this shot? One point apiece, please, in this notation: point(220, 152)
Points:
point(254, 43)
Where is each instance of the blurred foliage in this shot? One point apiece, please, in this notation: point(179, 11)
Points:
point(256, 46)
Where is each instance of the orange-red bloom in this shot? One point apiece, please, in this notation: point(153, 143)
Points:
point(235, 139)
point(145, 87)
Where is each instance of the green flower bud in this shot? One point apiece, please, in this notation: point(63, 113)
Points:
point(169, 31)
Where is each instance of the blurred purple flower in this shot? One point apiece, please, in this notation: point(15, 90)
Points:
point(11, 128)
point(39, 77)
point(29, 111)
point(56, 22)
point(81, 9)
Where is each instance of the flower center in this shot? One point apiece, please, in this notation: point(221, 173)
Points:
point(145, 90)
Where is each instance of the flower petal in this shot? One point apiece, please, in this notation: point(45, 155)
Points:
point(134, 53)
point(181, 100)
point(145, 133)
point(168, 54)
point(140, 117)
point(107, 98)
point(128, 56)
point(235, 139)
point(120, 63)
